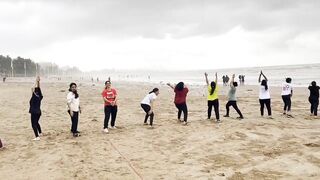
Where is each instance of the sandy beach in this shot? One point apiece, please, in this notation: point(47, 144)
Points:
point(252, 148)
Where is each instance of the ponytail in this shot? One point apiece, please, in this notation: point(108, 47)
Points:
point(154, 90)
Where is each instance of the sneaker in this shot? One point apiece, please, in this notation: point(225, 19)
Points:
point(114, 127)
point(36, 139)
point(226, 116)
point(40, 134)
point(106, 130)
point(151, 127)
point(185, 123)
point(240, 117)
point(218, 120)
point(76, 135)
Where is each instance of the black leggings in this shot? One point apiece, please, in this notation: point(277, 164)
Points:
point(74, 121)
point(110, 110)
point(146, 109)
point(35, 124)
point(287, 102)
point(215, 104)
point(182, 108)
point(234, 105)
point(314, 101)
point(266, 102)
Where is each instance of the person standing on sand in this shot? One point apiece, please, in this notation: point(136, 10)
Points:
point(264, 95)
point(34, 110)
point(1, 144)
point(181, 92)
point(147, 105)
point(314, 98)
point(232, 100)
point(213, 99)
point(73, 102)
point(287, 92)
point(109, 96)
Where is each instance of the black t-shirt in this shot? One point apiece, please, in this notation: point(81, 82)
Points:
point(35, 103)
point(314, 91)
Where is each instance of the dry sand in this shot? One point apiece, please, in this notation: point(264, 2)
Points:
point(253, 148)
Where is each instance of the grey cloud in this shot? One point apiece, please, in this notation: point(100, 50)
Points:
point(66, 20)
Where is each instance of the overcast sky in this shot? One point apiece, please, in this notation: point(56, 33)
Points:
point(161, 34)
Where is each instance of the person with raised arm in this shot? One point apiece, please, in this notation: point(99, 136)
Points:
point(35, 110)
point(181, 92)
point(264, 95)
point(212, 97)
point(232, 100)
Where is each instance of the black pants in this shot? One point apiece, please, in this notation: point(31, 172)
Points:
point(182, 108)
point(74, 121)
point(266, 102)
point(287, 102)
point(314, 101)
point(146, 109)
point(35, 124)
point(234, 105)
point(215, 104)
point(110, 110)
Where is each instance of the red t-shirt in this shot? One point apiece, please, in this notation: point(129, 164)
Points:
point(109, 95)
point(180, 96)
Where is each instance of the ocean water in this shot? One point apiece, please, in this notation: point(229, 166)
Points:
point(301, 75)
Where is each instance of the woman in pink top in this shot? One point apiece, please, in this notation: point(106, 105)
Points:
point(181, 92)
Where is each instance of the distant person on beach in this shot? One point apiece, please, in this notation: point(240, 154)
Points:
point(34, 110)
point(4, 79)
point(232, 100)
point(73, 102)
point(224, 80)
point(181, 92)
point(109, 96)
point(1, 144)
point(314, 98)
point(147, 105)
point(227, 80)
point(213, 99)
point(286, 94)
point(264, 95)
point(242, 79)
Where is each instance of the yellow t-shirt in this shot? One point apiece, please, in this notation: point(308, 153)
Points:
point(214, 96)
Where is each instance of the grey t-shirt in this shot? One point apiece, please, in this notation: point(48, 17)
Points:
point(232, 94)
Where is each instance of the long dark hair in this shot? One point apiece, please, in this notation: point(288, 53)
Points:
point(264, 83)
point(154, 90)
point(213, 87)
point(76, 92)
point(179, 86)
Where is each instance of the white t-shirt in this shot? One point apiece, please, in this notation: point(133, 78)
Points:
point(74, 103)
point(264, 94)
point(149, 98)
point(286, 89)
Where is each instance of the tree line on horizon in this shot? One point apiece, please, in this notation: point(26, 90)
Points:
point(22, 67)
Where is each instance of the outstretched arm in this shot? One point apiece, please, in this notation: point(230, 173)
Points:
point(216, 78)
point(261, 74)
point(206, 76)
point(232, 80)
point(170, 85)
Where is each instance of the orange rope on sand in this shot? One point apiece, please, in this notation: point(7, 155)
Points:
point(131, 166)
